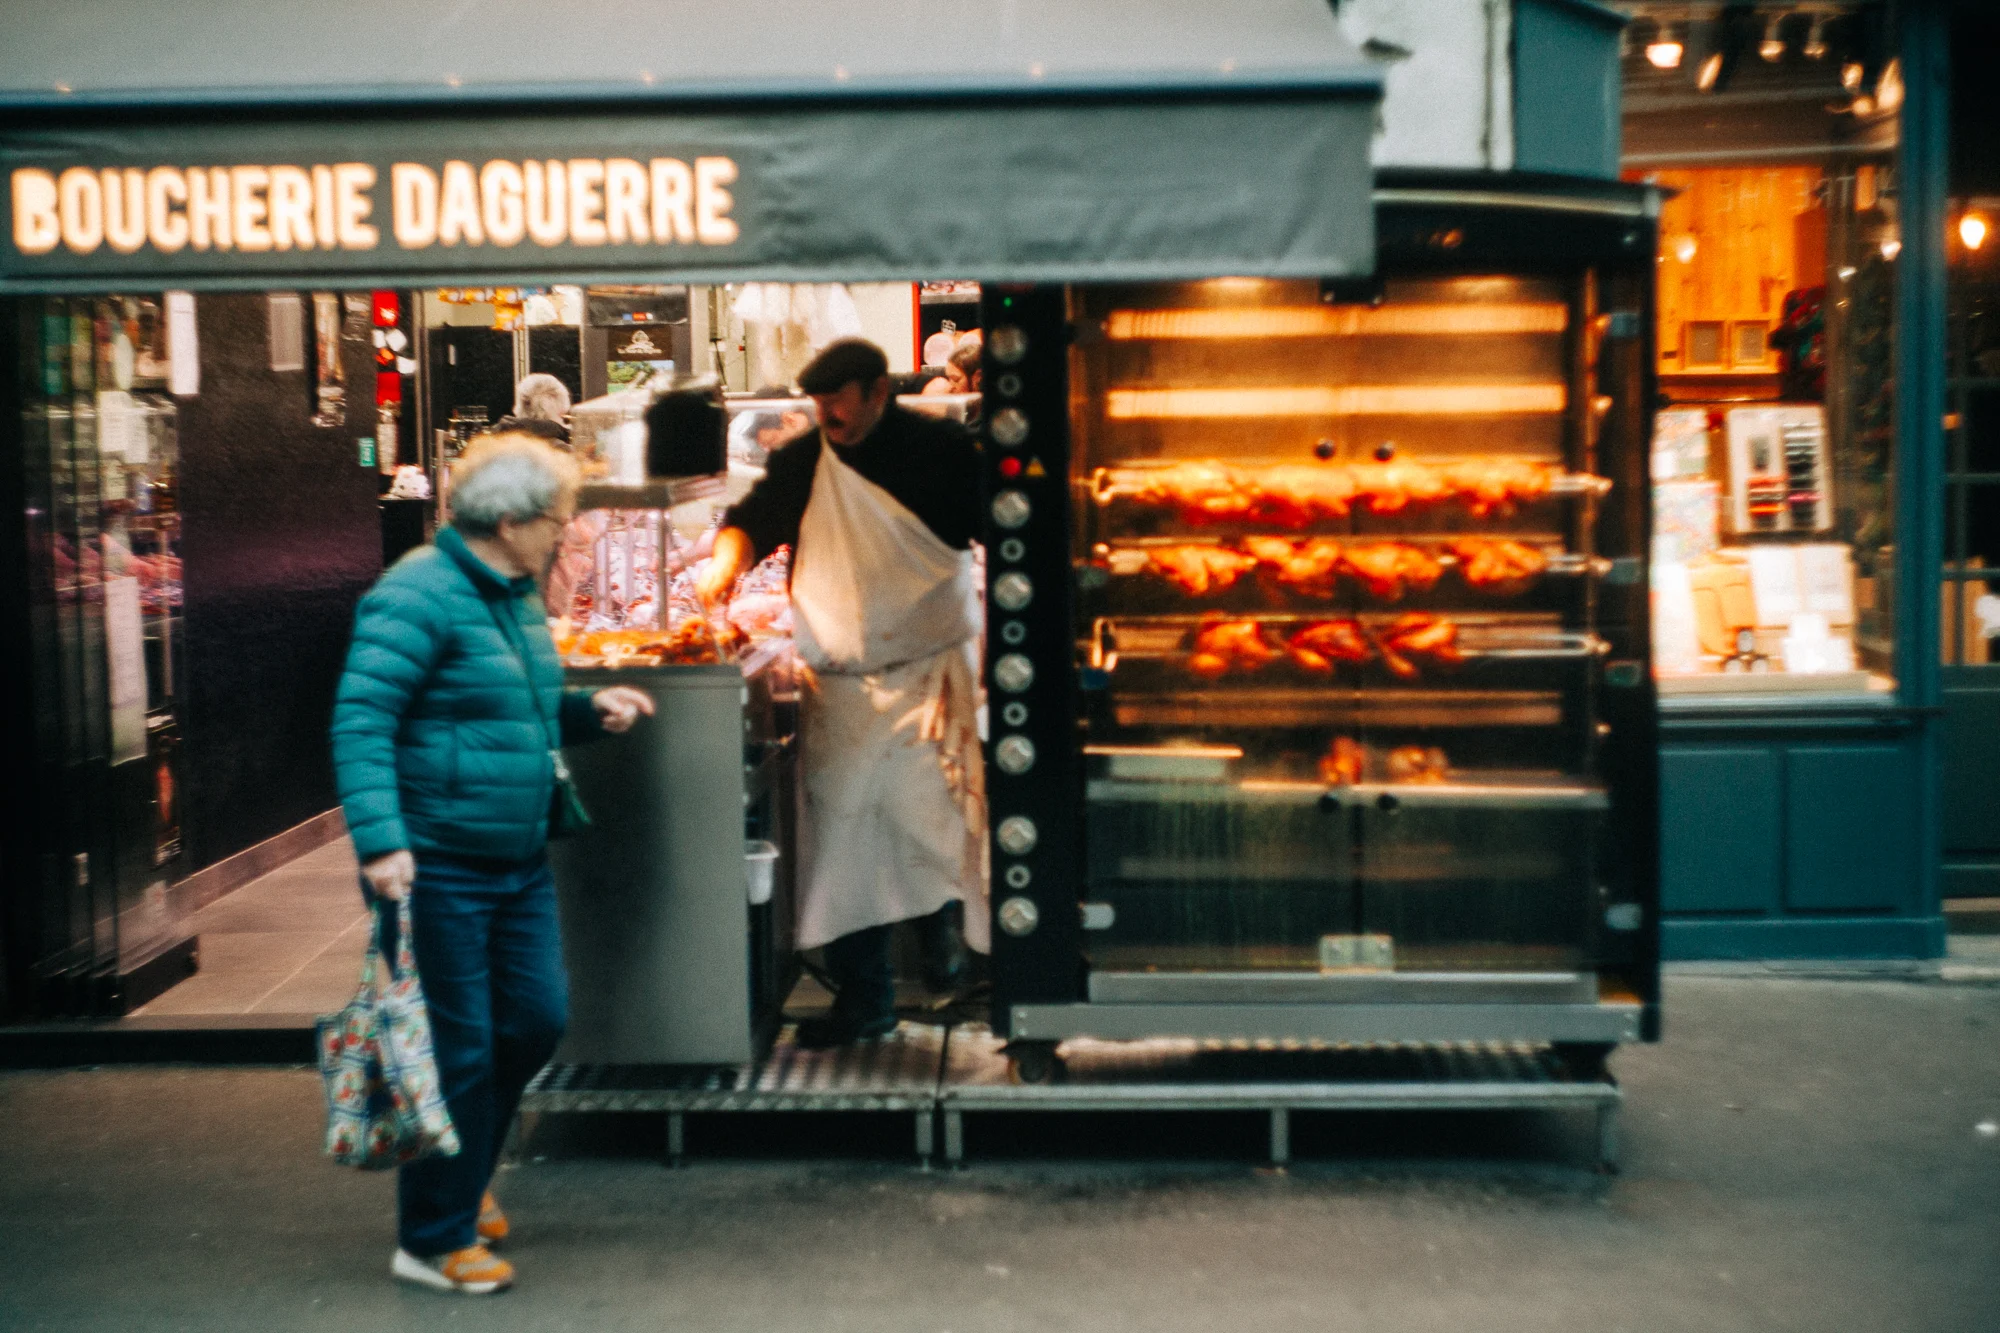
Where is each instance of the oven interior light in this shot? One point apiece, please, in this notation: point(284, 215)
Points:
point(1353, 400)
point(1338, 321)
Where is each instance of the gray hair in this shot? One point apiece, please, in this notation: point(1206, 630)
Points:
point(507, 476)
point(543, 397)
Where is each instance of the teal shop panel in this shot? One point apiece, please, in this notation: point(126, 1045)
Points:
point(1720, 820)
point(1851, 824)
point(1971, 787)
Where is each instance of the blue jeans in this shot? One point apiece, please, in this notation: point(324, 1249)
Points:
point(489, 955)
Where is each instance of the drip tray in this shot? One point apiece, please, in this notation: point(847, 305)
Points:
point(1343, 987)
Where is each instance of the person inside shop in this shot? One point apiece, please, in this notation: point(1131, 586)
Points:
point(448, 724)
point(541, 406)
point(880, 506)
point(961, 369)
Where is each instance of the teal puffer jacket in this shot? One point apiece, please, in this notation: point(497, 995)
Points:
point(438, 746)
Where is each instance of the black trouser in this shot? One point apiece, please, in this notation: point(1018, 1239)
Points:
point(863, 972)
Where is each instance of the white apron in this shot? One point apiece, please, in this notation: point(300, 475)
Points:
point(892, 782)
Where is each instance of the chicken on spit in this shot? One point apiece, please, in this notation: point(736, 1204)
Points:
point(1387, 569)
point(1198, 570)
point(1205, 492)
point(1490, 485)
point(1420, 637)
point(1223, 646)
point(1322, 644)
point(1297, 495)
point(1392, 487)
point(1311, 566)
point(1498, 564)
point(1418, 764)
point(1345, 762)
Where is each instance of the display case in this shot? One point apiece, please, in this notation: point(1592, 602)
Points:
point(1353, 655)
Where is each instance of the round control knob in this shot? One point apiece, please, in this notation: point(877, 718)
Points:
point(1010, 427)
point(1013, 590)
point(1011, 509)
point(1007, 344)
point(1014, 673)
point(1014, 754)
point(1019, 916)
point(1017, 835)
point(1010, 385)
point(1012, 550)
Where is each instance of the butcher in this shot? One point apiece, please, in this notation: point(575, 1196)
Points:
point(880, 506)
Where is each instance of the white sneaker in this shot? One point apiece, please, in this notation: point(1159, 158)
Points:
point(474, 1270)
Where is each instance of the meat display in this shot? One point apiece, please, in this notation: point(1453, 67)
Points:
point(1344, 763)
point(1497, 564)
point(1417, 763)
point(1386, 570)
point(1199, 570)
point(1225, 646)
point(1319, 646)
point(1418, 637)
point(1295, 496)
point(1310, 567)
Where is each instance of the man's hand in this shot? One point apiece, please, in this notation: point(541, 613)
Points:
point(619, 706)
point(391, 876)
point(731, 558)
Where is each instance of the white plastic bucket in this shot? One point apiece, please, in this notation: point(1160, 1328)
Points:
point(760, 863)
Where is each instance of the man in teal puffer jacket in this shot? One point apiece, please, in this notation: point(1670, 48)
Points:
point(447, 732)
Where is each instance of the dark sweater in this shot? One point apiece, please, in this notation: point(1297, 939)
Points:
point(930, 465)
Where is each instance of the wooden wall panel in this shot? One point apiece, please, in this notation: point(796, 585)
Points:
point(1730, 248)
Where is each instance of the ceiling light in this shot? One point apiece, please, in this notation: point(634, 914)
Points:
point(1815, 47)
point(1684, 248)
point(1889, 88)
point(1710, 71)
point(1972, 230)
point(1891, 248)
point(1850, 75)
point(1773, 46)
point(1665, 50)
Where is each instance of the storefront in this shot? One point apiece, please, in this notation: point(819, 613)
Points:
point(1798, 465)
point(190, 255)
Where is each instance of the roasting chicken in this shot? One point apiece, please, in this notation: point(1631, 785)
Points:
point(1498, 565)
point(1311, 566)
point(1418, 637)
point(1199, 570)
point(1490, 485)
point(1319, 646)
point(1207, 492)
point(1416, 763)
point(1297, 495)
point(1223, 646)
point(1390, 488)
point(1344, 763)
point(1387, 569)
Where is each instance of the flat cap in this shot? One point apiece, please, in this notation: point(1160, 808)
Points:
point(841, 362)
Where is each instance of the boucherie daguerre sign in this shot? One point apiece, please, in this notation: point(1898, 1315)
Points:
point(255, 208)
point(1011, 191)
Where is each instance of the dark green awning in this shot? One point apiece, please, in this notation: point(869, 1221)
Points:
point(240, 144)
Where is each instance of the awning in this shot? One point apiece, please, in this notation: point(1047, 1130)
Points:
point(234, 143)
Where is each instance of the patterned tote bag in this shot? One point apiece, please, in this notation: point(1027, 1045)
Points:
point(384, 1103)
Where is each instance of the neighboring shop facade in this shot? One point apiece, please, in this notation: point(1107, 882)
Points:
point(1798, 467)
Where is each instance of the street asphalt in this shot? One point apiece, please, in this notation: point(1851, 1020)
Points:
point(1799, 1154)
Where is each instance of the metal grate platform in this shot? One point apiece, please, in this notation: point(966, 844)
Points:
point(931, 1072)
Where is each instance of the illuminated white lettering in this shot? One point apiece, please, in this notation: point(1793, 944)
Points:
point(291, 208)
point(80, 200)
point(712, 202)
point(673, 201)
point(124, 208)
point(250, 207)
point(625, 202)
point(37, 222)
point(165, 188)
point(548, 211)
point(351, 205)
point(415, 188)
point(500, 188)
point(323, 229)
point(586, 201)
point(458, 213)
point(208, 207)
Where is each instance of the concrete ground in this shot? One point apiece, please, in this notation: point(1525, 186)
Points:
point(1800, 1154)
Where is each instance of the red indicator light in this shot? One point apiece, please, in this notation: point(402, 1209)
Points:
point(1010, 467)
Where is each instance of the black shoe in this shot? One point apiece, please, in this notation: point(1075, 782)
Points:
point(840, 1029)
point(942, 935)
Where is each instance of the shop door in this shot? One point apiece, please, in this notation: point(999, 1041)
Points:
point(1971, 587)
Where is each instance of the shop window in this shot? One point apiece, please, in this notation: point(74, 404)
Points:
point(1773, 456)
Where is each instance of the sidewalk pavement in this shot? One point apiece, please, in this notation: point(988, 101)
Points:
point(1800, 1154)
